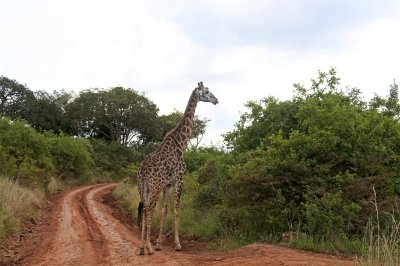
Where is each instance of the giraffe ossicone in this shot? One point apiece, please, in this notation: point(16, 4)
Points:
point(164, 168)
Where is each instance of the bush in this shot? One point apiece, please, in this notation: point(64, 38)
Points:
point(329, 217)
point(25, 153)
point(71, 157)
point(113, 158)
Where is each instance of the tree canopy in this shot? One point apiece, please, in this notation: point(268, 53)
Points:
point(118, 114)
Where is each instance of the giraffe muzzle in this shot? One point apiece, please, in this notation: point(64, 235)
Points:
point(214, 101)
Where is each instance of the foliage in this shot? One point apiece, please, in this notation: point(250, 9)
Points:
point(25, 154)
point(113, 157)
point(16, 100)
point(48, 111)
point(266, 117)
point(117, 114)
point(389, 106)
point(195, 158)
point(32, 158)
point(41, 110)
point(71, 157)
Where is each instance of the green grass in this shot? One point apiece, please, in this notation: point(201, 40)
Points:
point(17, 203)
point(344, 247)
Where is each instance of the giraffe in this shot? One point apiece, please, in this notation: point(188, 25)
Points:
point(164, 168)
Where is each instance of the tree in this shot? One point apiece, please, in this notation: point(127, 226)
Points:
point(118, 114)
point(390, 106)
point(266, 117)
point(47, 113)
point(16, 100)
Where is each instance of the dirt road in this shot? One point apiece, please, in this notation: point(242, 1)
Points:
point(79, 229)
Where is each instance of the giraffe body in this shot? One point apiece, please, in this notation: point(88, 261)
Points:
point(164, 168)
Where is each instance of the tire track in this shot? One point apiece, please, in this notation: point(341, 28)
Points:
point(80, 230)
point(78, 239)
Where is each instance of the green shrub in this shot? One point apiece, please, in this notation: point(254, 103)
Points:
point(328, 216)
point(113, 157)
point(71, 157)
point(26, 154)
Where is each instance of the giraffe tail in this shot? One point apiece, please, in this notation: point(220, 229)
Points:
point(140, 211)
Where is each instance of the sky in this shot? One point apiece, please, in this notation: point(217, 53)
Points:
point(242, 50)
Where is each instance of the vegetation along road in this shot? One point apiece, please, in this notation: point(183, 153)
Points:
point(79, 228)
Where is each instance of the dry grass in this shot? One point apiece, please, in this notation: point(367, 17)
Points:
point(17, 203)
point(54, 185)
point(128, 196)
point(383, 241)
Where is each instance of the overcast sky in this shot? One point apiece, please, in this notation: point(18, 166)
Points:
point(241, 49)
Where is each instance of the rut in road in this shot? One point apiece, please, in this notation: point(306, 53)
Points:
point(80, 230)
point(83, 235)
point(86, 234)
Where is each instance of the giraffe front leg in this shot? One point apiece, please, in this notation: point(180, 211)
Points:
point(178, 191)
point(163, 215)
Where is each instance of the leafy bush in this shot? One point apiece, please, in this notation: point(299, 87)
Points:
point(113, 157)
point(310, 162)
point(26, 154)
point(71, 157)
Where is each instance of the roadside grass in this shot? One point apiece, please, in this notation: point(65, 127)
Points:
point(128, 196)
point(379, 246)
point(17, 203)
point(382, 237)
point(54, 185)
point(342, 247)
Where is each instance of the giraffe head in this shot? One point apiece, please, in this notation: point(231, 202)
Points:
point(204, 94)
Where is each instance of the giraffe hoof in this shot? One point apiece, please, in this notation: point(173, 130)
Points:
point(141, 251)
point(178, 248)
point(150, 251)
point(158, 248)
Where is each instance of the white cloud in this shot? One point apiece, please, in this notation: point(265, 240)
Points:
point(165, 47)
point(371, 59)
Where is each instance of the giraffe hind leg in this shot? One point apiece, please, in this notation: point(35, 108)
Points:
point(178, 191)
point(144, 219)
point(163, 215)
point(149, 216)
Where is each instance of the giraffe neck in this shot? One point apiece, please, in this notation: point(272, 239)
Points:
point(183, 130)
